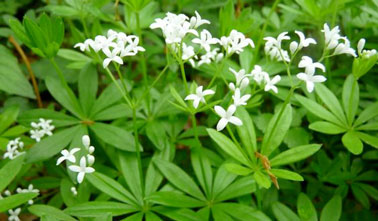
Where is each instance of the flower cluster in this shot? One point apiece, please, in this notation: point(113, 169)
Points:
point(115, 46)
point(41, 128)
point(30, 189)
point(176, 27)
point(83, 167)
point(14, 148)
point(332, 41)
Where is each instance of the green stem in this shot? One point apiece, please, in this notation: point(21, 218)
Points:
point(215, 76)
point(259, 42)
point(137, 150)
point(119, 88)
point(85, 26)
point(194, 124)
point(59, 72)
point(123, 83)
point(143, 59)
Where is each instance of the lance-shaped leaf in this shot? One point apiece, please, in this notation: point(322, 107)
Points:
point(331, 101)
point(10, 170)
point(294, 154)
point(96, 208)
point(15, 200)
point(52, 212)
point(351, 98)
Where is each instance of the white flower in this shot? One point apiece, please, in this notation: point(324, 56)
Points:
point(187, 52)
point(112, 56)
point(270, 83)
point(306, 62)
point(13, 214)
point(227, 117)
point(67, 155)
point(74, 191)
point(211, 56)
point(199, 96)
point(30, 189)
point(46, 126)
point(258, 74)
point(84, 46)
point(87, 144)
point(235, 42)
point(81, 170)
point(13, 148)
point(205, 40)
point(331, 37)
point(174, 27)
point(197, 21)
point(238, 101)
point(273, 47)
point(132, 48)
point(112, 33)
point(311, 80)
point(242, 80)
point(41, 128)
point(303, 42)
point(344, 48)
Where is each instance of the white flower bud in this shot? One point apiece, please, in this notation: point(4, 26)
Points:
point(91, 159)
point(91, 149)
point(360, 45)
point(86, 141)
point(293, 47)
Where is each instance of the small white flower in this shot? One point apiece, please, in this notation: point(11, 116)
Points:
point(310, 66)
point(344, 48)
point(46, 126)
point(67, 155)
point(258, 74)
point(87, 144)
point(205, 40)
point(210, 56)
point(235, 42)
point(364, 53)
point(7, 193)
point(81, 170)
point(112, 56)
point(303, 41)
point(242, 80)
point(84, 46)
point(238, 101)
point(197, 21)
point(41, 128)
point(187, 52)
point(270, 83)
point(13, 214)
point(227, 117)
point(331, 37)
point(132, 48)
point(13, 148)
point(273, 47)
point(311, 80)
point(199, 96)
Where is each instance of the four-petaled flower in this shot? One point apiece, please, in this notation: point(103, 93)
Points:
point(311, 80)
point(13, 214)
point(67, 155)
point(270, 83)
point(199, 96)
point(227, 117)
point(238, 99)
point(310, 66)
point(197, 21)
point(81, 170)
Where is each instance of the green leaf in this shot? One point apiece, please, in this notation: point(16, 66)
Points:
point(177, 214)
point(294, 154)
point(15, 200)
point(228, 146)
point(111, 187)
point(318, 110)
point(326, 127)
point(88, 83)
point(262, 180)
point(367, 114)
point(277, 129)
point(51, 145)
point(306, 209)
point(96, 208)
point(360, 195)
point(52, 212)
point(332, 210)
point(73, 55)
point(238, 169)
point(246, 131)
point(129, 167)
point(286, 174)
point(156, 134)
point(368, 189)
point(242, 186)
point(114, 136)
point(242, 212)
point(352, 142)
point(331, 101)
point(64, 96)
point(12, 80)
point(202, 169)
point(8, 117)
point(19, 30)
point(10, 170)
point(37, 36)
point(174, 199)
point(107, 98)
point(351, 98)
point(177, 97)
point(223, 179)
point(371, 140)
point(283, 213)
point(179, 178)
